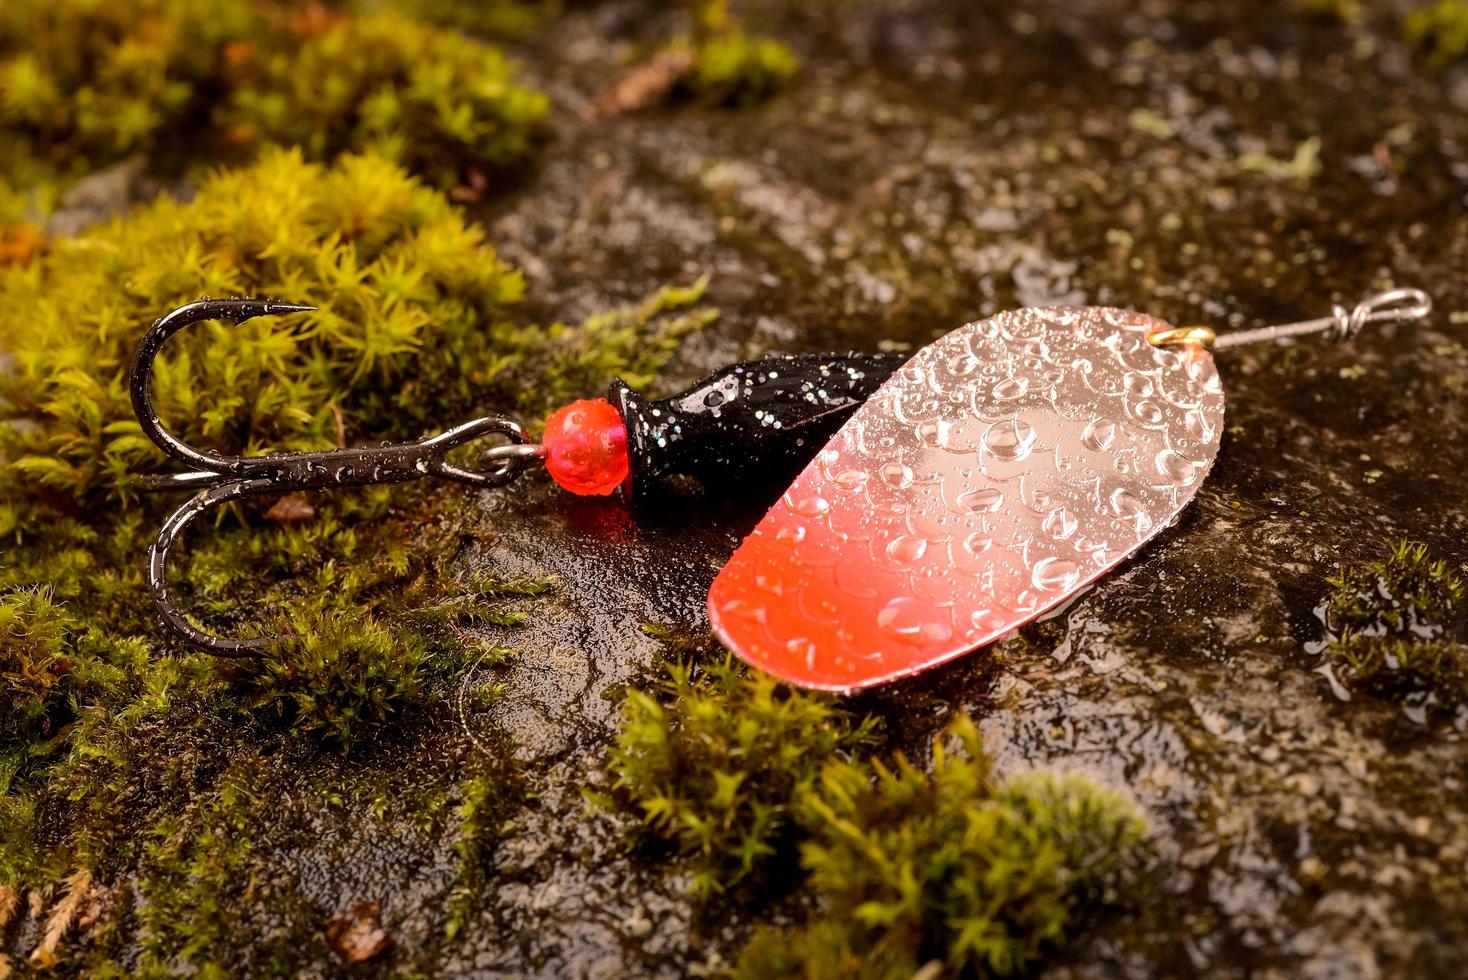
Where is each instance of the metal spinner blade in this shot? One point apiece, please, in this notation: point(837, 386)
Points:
point(1002, 469)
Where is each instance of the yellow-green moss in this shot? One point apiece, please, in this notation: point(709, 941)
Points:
point(83, 83)
point(736, 68)
point(982, 875)
point(434, 100)
point(417, 329)
point(495, 18)
point(1430, 674)
point(34, 667)
point(343, 677)
point(719, 63)
point(1410, 593)
point(1439, 32)
point(714, 760)
point(1395, 631)
point(487, 801)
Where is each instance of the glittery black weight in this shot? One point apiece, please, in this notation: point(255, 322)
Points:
point(750, 425)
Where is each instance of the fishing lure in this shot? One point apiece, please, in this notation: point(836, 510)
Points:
point(941, 501)
point(760, 421)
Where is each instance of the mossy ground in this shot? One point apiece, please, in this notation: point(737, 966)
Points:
point(930, 163)
point(1397, 629)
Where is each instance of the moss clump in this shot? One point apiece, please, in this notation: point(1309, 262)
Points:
point(736, 68)
point(1393, 631)
point(393, 267)
point(416, 330)
point(715, 760)
point(34, 665)
point(339, 679)
point(84, 83)
point(1408, 594)
point(732, 66)
point(495, 18)
point(1428, 674)
point(720, 64)
point(1438, 32)
point(488, 800)
point(438, 102)
point(48, 662)
point(955, 866)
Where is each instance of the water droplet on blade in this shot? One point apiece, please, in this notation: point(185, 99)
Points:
point(914, 622)
point(982, 501)
point(1060, 523)
point(1099, 435)
point(1010, 440)
point(907, 549)
point(812, 506)
point(1055, 574)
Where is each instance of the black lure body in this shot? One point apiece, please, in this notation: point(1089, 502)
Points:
point(756, 422)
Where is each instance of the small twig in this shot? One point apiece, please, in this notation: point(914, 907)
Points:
point(341, 425)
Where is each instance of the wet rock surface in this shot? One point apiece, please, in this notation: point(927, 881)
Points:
point(1230, 163)
point(937, 164)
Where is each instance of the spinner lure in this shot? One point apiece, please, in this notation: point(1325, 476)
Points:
point(940, 502)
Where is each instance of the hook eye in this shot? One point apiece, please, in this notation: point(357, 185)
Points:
point(504, 462)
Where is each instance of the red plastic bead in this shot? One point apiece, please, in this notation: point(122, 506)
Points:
point(586, 447)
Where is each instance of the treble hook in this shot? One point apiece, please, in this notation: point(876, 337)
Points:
point(227, 478)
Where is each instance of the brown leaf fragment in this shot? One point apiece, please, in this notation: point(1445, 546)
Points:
point(74, 897)
point(9, 902)
point(20, 244)
point(642, 85)
point(472, 190)
point(293, 508)
point(356, 935)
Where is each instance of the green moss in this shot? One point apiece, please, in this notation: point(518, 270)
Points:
point(1393, 628)
point(417, 329)
point(341, 680)
point(204, 866)
point(1432, 674)
point(1439, 32)
point(1410, 593)
point(735, 68)
point(715, 759)
point(436, 101)
point(953, 866)
point(718, 64)
point(33, 662)
point(84, 83)
point(496, 18)
point(488, 799)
